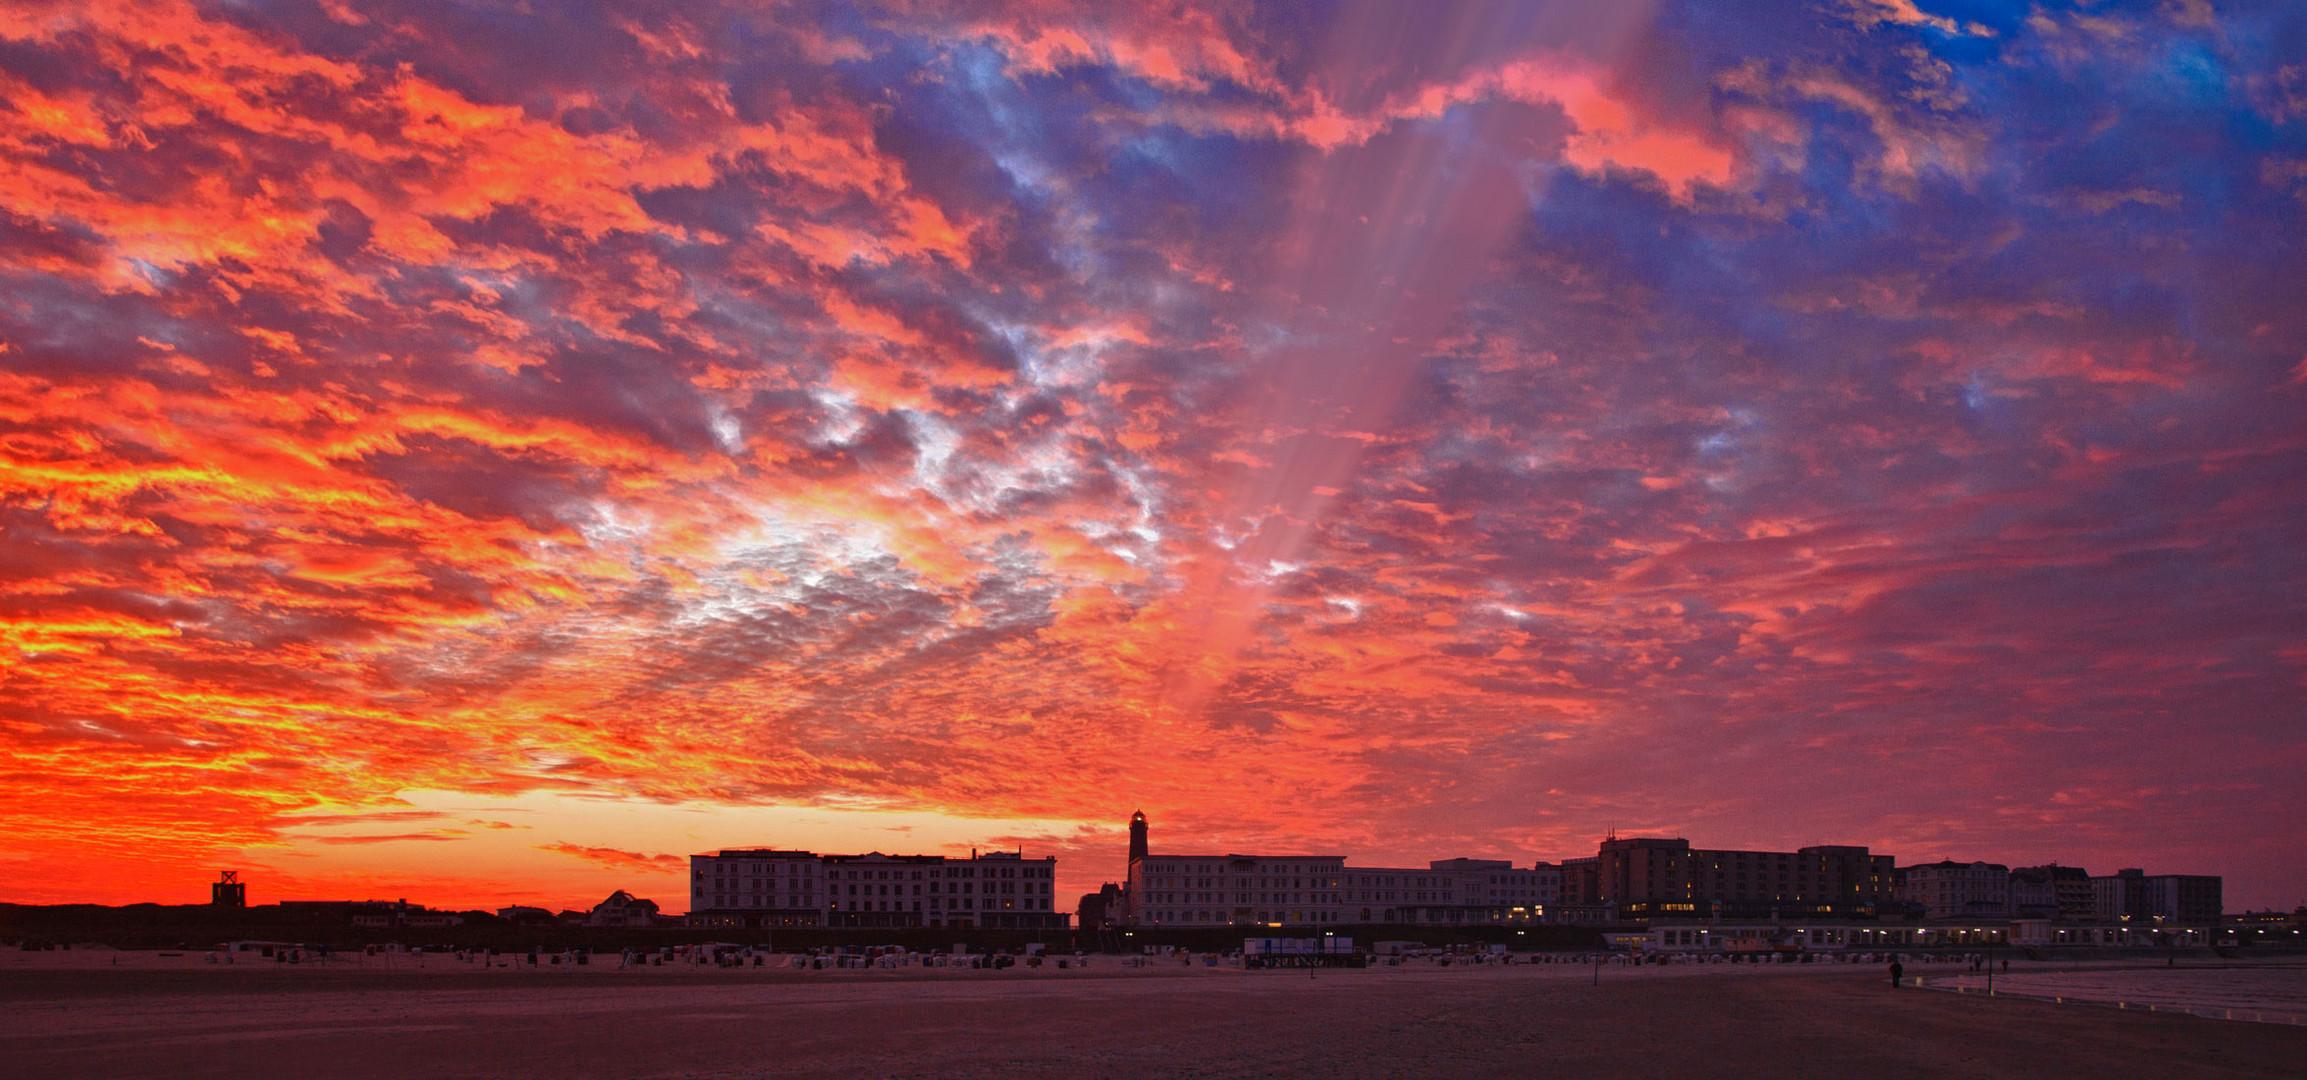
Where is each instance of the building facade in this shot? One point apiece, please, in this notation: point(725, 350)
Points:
point(1640, 879)
point(2050, 891)
point(1496, 891)
point(1203, 890)
point(1546, 882)
point(2135, 897)
point(757, 887)
point(2187, 899)
point(1228, 890)
point(1959, 890)
point(767, 887)
point(1654, 877)
point(1000, 890)
point(877, 890)
point(1236, 890)
point(2120, 897)
point(1433, 895)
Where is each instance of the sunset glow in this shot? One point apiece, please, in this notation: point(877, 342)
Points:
point(486, 455)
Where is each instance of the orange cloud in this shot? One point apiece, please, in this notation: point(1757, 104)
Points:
point(620, 860)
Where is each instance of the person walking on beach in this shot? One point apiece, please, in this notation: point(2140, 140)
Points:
point(1897, 972)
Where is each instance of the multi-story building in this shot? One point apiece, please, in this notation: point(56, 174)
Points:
point(768, 887)
point(1958, 890)
point(2051, 891)
point(998, 890)
point(1252, 890)
point(2120, 897)
point(1581, 881)
point(1230, 890)
point(1652, 877)
point(1237, 890)
point(1546, 879)
point(874, 889)
point(1493, 890)
point(757, 887)
point(2193, 900)
point(2033, 895)
point(1016, 893)
point(2136, 897)
point(1436, 894)
point(2078, 902)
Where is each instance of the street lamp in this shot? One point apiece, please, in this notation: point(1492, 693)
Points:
point(1990, 965)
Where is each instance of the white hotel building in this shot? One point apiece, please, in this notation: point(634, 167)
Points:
point(1236, 890)
point(998, 891)
point(1254, 890)
point(764, 887)
point(757, 887)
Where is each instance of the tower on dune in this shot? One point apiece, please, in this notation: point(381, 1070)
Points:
point(1137, 847)
point(228, 890)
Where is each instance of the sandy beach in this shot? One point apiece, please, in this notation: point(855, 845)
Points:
point(142, 1015)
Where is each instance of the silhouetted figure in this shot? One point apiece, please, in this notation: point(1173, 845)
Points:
point(1897, 972)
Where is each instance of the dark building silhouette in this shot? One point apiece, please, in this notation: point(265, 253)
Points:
point(1101, 909)
point(1649, 877)
point(2135, 896)
point(622, 909)
point(228, 891)
point(1110, 905)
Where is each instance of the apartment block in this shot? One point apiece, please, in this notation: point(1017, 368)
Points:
point(1657, 877)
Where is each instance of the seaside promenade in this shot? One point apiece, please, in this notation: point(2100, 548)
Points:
point(85, 1015)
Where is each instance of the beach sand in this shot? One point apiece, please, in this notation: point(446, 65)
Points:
point(139, 1015)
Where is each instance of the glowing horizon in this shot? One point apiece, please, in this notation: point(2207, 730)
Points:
point(498, 453)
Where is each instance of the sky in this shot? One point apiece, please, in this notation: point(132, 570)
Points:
point(486, 453)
